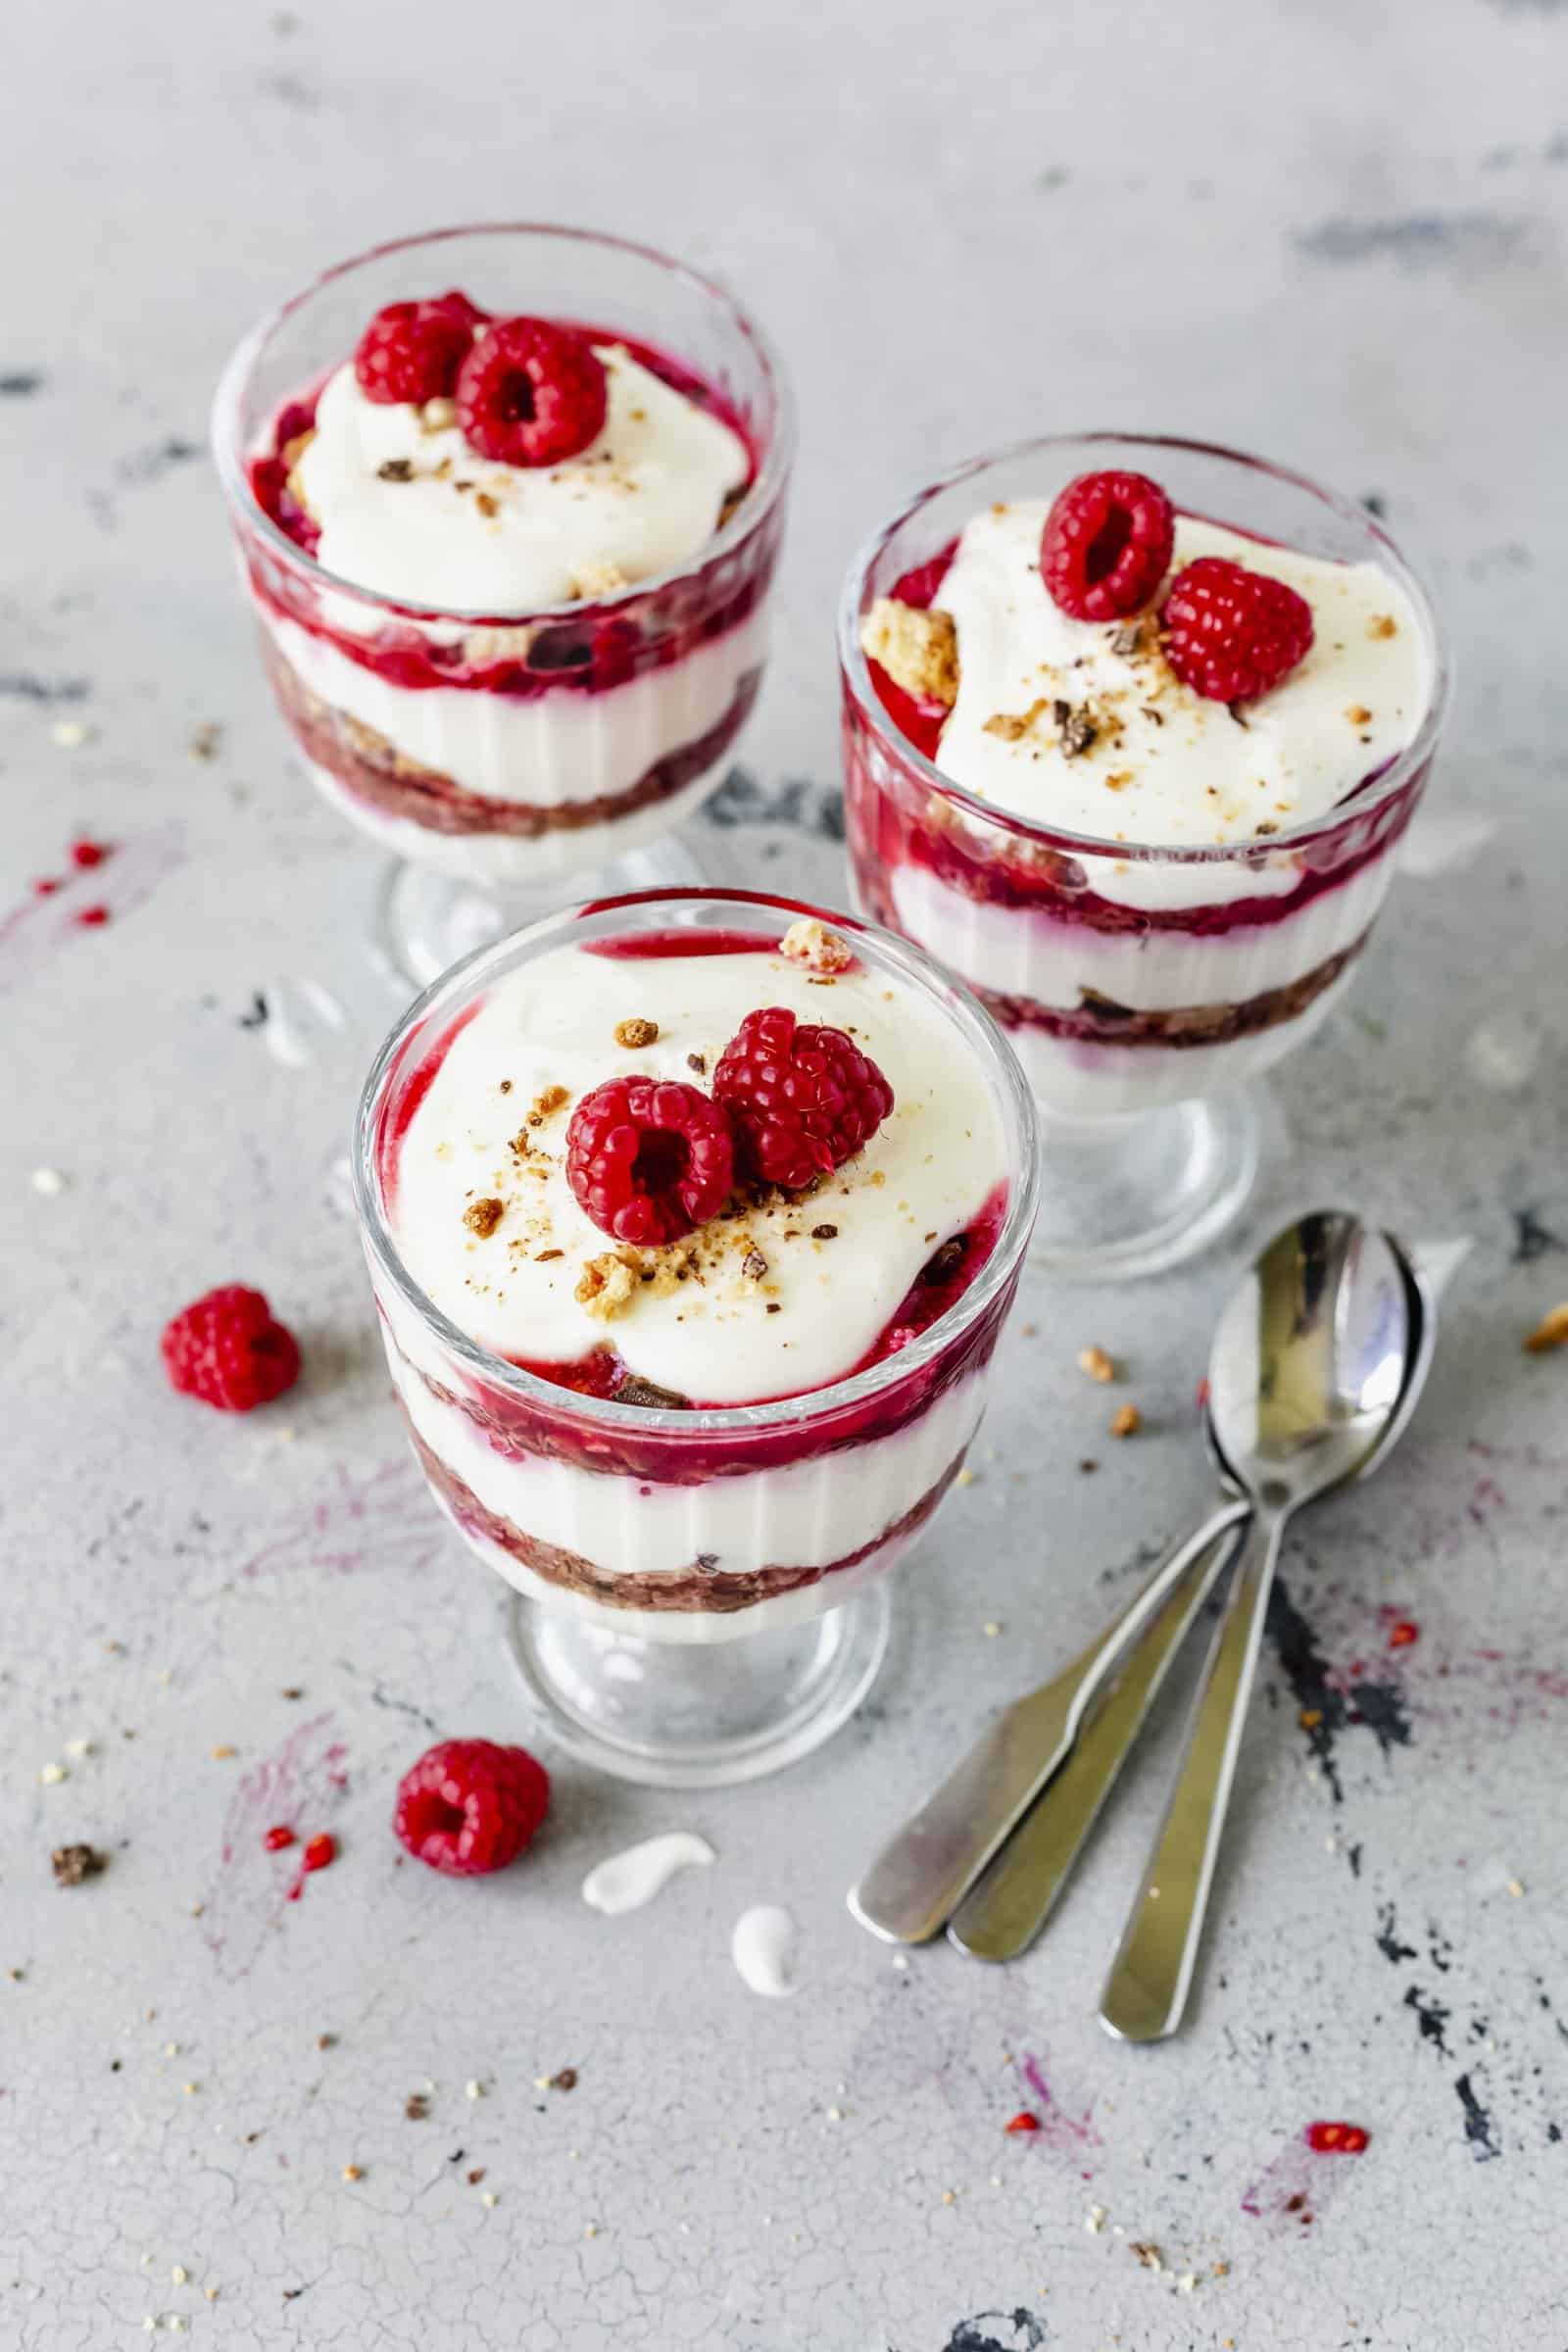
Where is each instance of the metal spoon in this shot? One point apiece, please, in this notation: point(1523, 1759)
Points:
point(1013, 1897)
point(1310, 1366)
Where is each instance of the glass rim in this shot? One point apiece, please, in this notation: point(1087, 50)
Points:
point(1365, 800)
point(230, 456)
point(461, 983)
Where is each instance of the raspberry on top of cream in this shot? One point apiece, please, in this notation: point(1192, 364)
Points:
point(407, 507)
point(1086, 724)
point(776, 1292)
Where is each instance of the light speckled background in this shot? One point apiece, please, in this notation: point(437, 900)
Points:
point(1334, 232)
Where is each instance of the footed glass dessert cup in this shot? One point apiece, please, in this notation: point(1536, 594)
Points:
point(1144, 983)
point(698, 1594)
point(506, 758)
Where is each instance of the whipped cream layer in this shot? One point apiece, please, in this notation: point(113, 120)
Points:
point(710, 1336)
point(466, 534)
point(1165, 764)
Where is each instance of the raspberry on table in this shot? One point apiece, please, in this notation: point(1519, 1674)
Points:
point(803, 1099)
point(530, 393)
point(412, 350)
point(469, 1807)
point(228, 1350)
point(1107, 545)
point(649, 1158)
point(1232, 634)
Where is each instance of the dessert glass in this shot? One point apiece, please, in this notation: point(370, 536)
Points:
point(697, 1597)
point(510, 760)
point(1143, 986)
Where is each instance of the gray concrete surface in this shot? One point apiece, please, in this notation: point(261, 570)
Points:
point(1331, 232)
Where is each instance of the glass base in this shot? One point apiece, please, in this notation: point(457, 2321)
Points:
point(425, 921)
point(693, 1714)
point(1129, 1196)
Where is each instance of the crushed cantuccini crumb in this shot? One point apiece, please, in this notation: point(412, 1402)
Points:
point(1358, 715)
point(1383, 624)
point(1126, 1422)
point(1011, 726)
point(483, 1216)
point(811, 943)
point(599, 579)
point(636, 1033)
point(919, 651)
point(1551, 1332)
point(607, 1286)
point(544, 1103)
point(1096, 1363)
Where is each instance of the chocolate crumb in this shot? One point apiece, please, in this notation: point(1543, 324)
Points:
point(506, 1086)
point(293, 1691)
point(708, 1561)
point(634, 1390)
point(1127, 639)
point(476, 2176)
point(698, 1062)
point(1089, 1465)
point(395, 470)
point(773, 1308)
point(417, 2106)
point(824, 1233)
point(74, 1863)
point(1237, 713)
point(1074, 728)
point(635, 1033)
point(1267, 828)
point(566, 2078)
point(945, 1262)
point(483, 1216)
point(754, 1265)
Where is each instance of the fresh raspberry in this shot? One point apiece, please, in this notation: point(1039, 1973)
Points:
point(469, 1807)
point(804, 1099)
point(226, 1349)
point(649, 1158)
point(530, 393)
point(1107, 545)
point(1230, 633)
point(413, 351)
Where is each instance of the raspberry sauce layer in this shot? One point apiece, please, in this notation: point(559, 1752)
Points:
point(779, 1295)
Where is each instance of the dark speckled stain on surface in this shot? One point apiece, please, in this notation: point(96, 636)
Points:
point(1531, 1238)
point(1021, 2331)
point(810, 807)
point(151, 464)
point(26, 686)
point(1479, 2129)
point(19, 383)
point(1418, 240)
point(1378, 1707)
point(1430, 2017)
point(1388, 1940)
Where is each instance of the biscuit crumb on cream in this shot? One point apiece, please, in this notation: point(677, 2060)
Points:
point(919, 651)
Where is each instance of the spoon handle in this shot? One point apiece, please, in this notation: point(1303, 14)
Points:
point(923, 1872)
point(1010, 1903)
point(1146, 1992)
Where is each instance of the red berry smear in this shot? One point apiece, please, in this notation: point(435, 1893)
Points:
point(1023, 2122)
point(228, 1349)
point(804, 1099)
point(469, 1807)
point(530, 393)
point(92, 919)
point(649, 1159)
point(1230, 633)
point(1402, 1632)
point(88, 854)
point(1337, 2139)
point(277, 1837)
point(1107, 545)
point(412, 350)
point(320, 1851)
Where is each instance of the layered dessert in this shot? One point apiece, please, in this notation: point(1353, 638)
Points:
point(678, 1187)
point(1167, 735)
point(510, 583)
